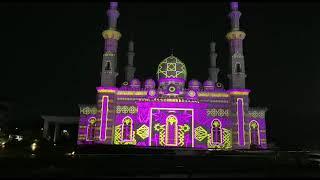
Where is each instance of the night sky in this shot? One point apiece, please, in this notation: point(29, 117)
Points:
point(51, 55)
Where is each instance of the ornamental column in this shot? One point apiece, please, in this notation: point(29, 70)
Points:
point(56, 132)
point(111, 35)
point(213, 70)
point(235, 37)
point(45, 129)
point(130, 69)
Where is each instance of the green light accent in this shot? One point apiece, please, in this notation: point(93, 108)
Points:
point(172, 67)
point(117, 134)
point(117, 137)
point(143, 131)
point(201, 133)
point(253, 125)
point(227, 141)
point(161, 130)
point(182, 129)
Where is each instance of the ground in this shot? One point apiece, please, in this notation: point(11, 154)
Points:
point(160, 163)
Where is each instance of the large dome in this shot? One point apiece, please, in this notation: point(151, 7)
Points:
point(172, 67)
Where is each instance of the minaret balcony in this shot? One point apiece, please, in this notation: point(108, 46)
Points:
point(111, 34)
point(236, 35)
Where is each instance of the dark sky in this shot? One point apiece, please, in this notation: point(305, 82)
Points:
point(51, 54)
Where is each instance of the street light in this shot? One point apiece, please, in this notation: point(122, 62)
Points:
point(33, 146)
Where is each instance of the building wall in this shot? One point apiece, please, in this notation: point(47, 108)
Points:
point(148, 120)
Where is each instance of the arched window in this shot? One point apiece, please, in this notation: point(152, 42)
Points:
point(127, 129)
point(108, 66)
point(238, 67)
point(171, 131)
point(216, 132)
point(254, 133)
point(90, 129)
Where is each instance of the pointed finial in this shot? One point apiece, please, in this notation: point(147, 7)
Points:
point(234, 6)
point(212, 37)
point(131, 46)
point(171, 51)
point(113, 5)
point(213, 46)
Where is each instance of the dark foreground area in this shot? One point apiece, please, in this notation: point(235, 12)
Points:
point(119, 162)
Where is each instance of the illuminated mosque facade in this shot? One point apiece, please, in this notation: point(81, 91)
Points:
point(169, 111)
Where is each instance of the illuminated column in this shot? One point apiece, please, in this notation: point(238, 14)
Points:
point(235, 37)
point(106, 115)
point(56, 132)
point(130, 69)
point(239, 112)
point(111, 36)
point(213, 70)
point(45, 129)
point(257, 120)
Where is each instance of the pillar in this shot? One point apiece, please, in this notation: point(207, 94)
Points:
point(45, 129)
point(56, 132)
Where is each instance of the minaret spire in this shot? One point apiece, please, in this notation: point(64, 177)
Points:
point(213, 70)
point(111, 36)
point(130, 69)
point(235, 37)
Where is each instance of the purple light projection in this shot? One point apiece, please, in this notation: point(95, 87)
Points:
point(240, 118)
point(170, 80)
point(171, 115)
point(104, 112)
point(234, 6)
point(164, 117)
point(111, 45)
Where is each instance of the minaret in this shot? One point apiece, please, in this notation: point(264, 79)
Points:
point(213, 70)
point(130, 69)
point(111, 36)
point(235, 37)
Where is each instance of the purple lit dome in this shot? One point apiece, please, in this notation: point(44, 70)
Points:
point(135, 83)
point(194, 84)
point(149, 84)
point(208, 83)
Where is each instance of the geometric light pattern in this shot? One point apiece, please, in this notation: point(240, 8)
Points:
point(126, 110)
point(143, 131)
point(200, 133)
point(257, 114)
point(227, 141)
point(218, 112)
point(117, 137)
point(88, 110)
point(161, 130)
point(172, 67)
point(182, 129)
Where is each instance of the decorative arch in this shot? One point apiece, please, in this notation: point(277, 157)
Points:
point(216, 132)
point(254, 133)
point(91, 128)
point(126, 129)
point(171, 131)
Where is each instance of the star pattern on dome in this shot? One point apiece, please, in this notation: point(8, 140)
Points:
point(172, 67)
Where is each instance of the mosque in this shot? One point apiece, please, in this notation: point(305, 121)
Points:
point(169, 111)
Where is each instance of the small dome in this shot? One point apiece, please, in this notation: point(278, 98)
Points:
point(150, 84)
point(194, 83)
point(135, 83)
point(172, 67)
point(208, 83)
